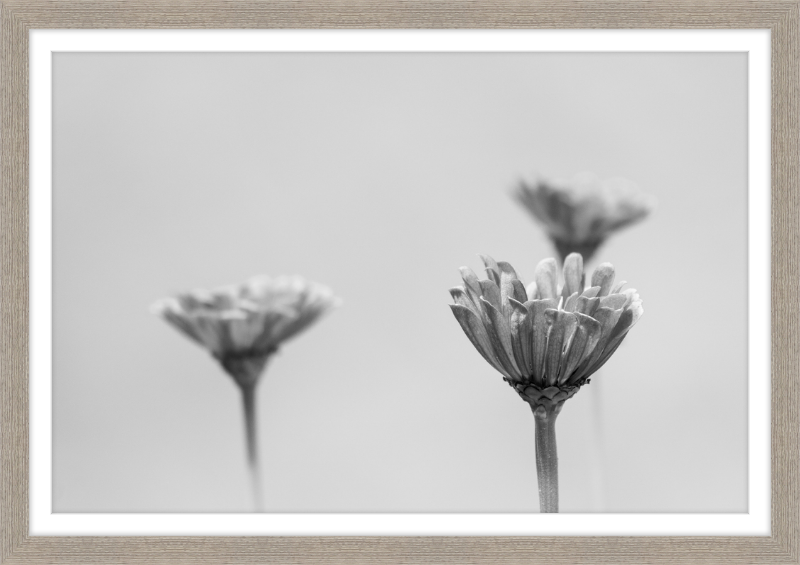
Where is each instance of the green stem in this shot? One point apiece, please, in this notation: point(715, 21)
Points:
point(546, 458)
point(249, 404)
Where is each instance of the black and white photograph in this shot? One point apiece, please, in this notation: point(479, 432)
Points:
point(409, 282)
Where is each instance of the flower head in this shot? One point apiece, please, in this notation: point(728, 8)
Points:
point(545, 341)
point(579, 214)
point(242, 325)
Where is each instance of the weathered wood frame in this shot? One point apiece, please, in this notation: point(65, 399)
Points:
point(17, 17)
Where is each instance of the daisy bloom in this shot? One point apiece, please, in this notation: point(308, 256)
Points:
point(545, 341)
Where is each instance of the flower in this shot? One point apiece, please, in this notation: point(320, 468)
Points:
point(545, 342)
point(242, 325)
point(581, 213)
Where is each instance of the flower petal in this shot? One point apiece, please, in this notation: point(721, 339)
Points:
point(507, 279)
point(586, 305)
point(604, 358)
point(507, 270)
point(562, 328)
point(462, 298)
point(531, 196)
point(209, 333)
point(520, 294)
point(477, 334)
point(491, 268)
point(559, 209)
point(500, 336)
point(625, 323)
point(459, 295)
point(545, 277)
point(571, 302)
point(573, 274)
point(591, 292)
point(608, 319)
point(491, 293)
point(603, 277)
point(471, 284)
point(521, 328)
point(184, 323)
point(613, 301)
point(630, 296)
point(532, 291)
point(245, 333)
point(586, 336)
point(550, 206)
point(283, 327)
point(539, 327)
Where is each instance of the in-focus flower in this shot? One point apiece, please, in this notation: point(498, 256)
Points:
point(579, 214)
point(545, 341)
point(242, 325)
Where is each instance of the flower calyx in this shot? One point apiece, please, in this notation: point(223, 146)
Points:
point(551, 398)
point(245, 368)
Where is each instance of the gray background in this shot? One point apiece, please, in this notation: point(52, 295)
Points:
point(380, 175)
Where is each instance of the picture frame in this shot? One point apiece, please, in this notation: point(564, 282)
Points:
point(18, 546)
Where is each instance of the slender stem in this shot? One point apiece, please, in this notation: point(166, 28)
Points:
point(546, 458)
point(249, 404)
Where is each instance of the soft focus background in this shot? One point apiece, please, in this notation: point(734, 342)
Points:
point(380, 175)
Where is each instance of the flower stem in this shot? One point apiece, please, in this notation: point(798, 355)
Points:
point(249, 404)
point(547, 457)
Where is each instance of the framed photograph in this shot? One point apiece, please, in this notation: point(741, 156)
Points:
point(313, 284)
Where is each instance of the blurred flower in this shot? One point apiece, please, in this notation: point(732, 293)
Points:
point(545, 341)
point(242, 325)
point(581, 213)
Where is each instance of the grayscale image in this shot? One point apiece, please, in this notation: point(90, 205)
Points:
point(400, 282)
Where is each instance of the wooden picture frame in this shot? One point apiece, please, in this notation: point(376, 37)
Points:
point(780, 17)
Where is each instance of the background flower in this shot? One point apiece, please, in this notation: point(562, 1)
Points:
point(241, 325)
point(579, 214)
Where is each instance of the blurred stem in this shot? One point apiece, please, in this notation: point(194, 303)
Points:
point(249, 404)
point(547, 457)
point(596, 449)
point(597, 440)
